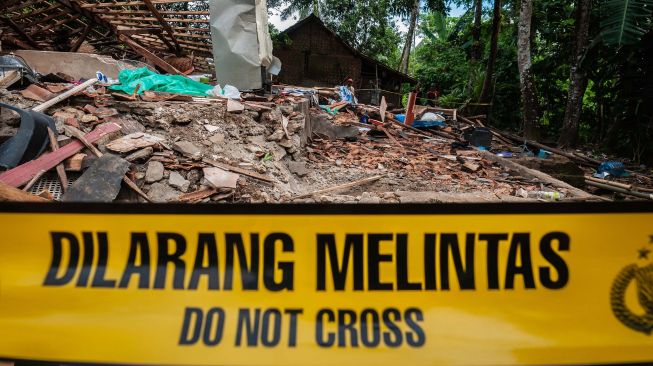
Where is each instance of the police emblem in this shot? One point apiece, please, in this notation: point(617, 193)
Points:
point(642, 276)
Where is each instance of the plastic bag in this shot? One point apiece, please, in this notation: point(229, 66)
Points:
point(230, 92)
point(149, 80)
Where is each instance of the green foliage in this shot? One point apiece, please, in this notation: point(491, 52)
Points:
point(624, 22)
point(279, 40)
point(617, 112)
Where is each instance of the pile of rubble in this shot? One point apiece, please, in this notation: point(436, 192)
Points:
point(278, 148)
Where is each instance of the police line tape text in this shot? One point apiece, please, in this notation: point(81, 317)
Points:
point(350, 262)
point(367, 328)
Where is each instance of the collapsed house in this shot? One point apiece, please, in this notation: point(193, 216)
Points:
point(137, 135)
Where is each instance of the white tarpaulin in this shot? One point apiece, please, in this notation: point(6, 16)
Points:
point(241, 42)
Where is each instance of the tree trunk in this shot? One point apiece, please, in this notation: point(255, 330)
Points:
point(577, 78)
point(475, 53)
point(316, 8)
point(405, 56)
point(494, 43)
point(526, 80)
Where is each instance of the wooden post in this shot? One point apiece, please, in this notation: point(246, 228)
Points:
point(410, 114)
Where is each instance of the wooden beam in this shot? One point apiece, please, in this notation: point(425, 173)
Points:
point(80, 40)
point(36, 12)
point(18, 29)
point(184, 29)
point(147, 12)
point(174, 1)
point(17, 42)
point(20, 5)
point(164, 24)
point(88, 14)
point(188, 35)
point(114, 17)
point(149, 55)
point(49, 17)
point(111, 5)
point(134, 31)
point(57, 24)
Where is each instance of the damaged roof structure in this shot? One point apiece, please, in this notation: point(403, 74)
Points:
point(67, 136)
point(124, 29)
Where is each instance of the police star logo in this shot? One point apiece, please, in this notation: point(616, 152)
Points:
point(642, 277)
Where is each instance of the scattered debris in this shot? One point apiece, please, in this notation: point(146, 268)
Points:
point(220, 178)
point(133, 142)
point(154, 172)
point(100, 183)
point(295, 145)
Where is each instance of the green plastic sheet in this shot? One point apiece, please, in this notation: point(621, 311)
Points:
point(149, 80)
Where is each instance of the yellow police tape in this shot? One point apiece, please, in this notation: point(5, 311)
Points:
point(324, 289)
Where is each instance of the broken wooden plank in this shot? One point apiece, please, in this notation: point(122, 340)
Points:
point(9, 78)
point(149, 55)
point(342, 186)
point(237, 170)
point(64, 96)
point(75, 163)
point(198, 196)
point(12, 194)
point(100, 183)
point(22, 174)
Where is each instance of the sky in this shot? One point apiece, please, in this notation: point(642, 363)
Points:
point(283, 24)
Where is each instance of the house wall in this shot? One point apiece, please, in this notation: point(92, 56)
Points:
point(317, 58)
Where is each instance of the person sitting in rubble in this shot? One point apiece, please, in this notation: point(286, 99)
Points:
point(347, 92)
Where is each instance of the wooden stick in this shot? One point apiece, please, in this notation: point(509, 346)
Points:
point(610, 183)
point(527, 172)
point(64, 96)
point(648, 196)
point(31, 183)
point(61, 170)
point(80, 136)
point(342, 186)
point(237, 170)
point(9, 193)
